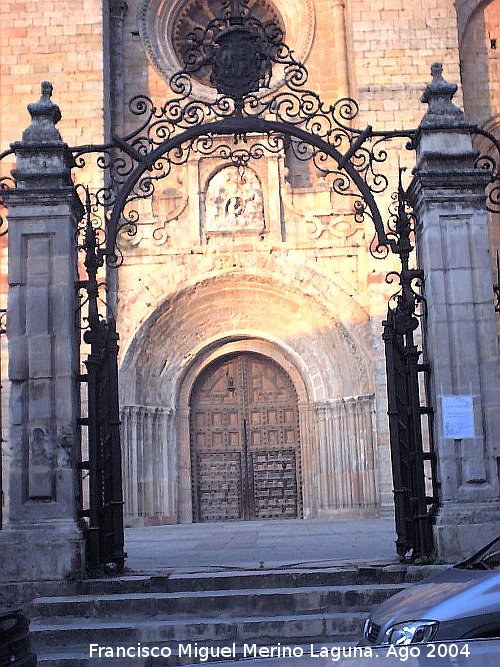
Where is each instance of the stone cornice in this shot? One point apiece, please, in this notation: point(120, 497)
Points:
point(19, 198)
point(441, 185)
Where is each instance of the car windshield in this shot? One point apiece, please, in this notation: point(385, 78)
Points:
point(487, 558)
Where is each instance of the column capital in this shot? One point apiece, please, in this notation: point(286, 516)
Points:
point(457, 186)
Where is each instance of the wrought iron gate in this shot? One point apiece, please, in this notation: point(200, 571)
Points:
point(244, 123)
point(415, 496)
point(236, 52)
point(104, 515)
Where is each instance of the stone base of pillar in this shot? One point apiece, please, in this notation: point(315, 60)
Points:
point(386, 510)
point(461, 529)
point(348, 513)
point(41, 552)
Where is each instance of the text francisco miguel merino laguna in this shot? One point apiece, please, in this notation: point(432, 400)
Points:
point(204, 653)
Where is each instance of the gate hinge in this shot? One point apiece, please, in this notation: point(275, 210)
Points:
point(424, 368)
point(81, 284)
point(426, 410)
point(82, 421)
point(83, 377)
point(83, 465)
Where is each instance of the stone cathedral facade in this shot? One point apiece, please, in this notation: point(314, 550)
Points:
point(252, 372)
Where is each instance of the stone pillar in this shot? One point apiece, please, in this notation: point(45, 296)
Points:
point(460, 329)
point(42, 540)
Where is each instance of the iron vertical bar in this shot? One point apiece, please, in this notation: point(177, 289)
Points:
point(93, 530)
point(116, 552)
point(94, 337)
point(423, 543)
point(3, 331)
point(390, 338)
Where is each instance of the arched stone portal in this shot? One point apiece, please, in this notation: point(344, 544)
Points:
point(237, 313)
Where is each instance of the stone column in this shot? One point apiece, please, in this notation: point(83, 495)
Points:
point(337, 8)
point(309, 448)
point(117, 13)
point(184, 467)
point(42, 540)
point(114, 118)
point(460, 328)
point(346, 456)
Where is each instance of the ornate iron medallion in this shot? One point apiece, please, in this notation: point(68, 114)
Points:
point(239, 65)
point(237, 48)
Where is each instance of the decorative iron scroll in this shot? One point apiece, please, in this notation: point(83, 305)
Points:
point(6, 183)
point(405, 305)
point(492, 164)
point(243, 55)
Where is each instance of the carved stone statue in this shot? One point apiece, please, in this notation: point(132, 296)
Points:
point(234, 201)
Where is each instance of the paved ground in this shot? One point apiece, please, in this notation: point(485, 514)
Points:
point(255, 544)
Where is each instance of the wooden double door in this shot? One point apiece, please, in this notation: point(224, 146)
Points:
point(245, 450)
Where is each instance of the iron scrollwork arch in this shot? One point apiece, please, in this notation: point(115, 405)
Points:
point(243, 55)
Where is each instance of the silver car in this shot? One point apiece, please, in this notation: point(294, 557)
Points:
point(462, 602)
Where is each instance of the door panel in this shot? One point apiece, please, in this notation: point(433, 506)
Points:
point(244, 440)
point(275, 484)
point(218, 482)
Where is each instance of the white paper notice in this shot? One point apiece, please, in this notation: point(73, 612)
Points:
point(458, 417)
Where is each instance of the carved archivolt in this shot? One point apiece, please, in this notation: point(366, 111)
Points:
point(164, 24)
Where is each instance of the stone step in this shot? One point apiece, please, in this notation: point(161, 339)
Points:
point(212, 603)
point(287, 606)
point(267, 630)
point(246, 579)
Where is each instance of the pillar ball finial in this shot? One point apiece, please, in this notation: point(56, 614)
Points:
point(438, 94)
point(44, 117)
